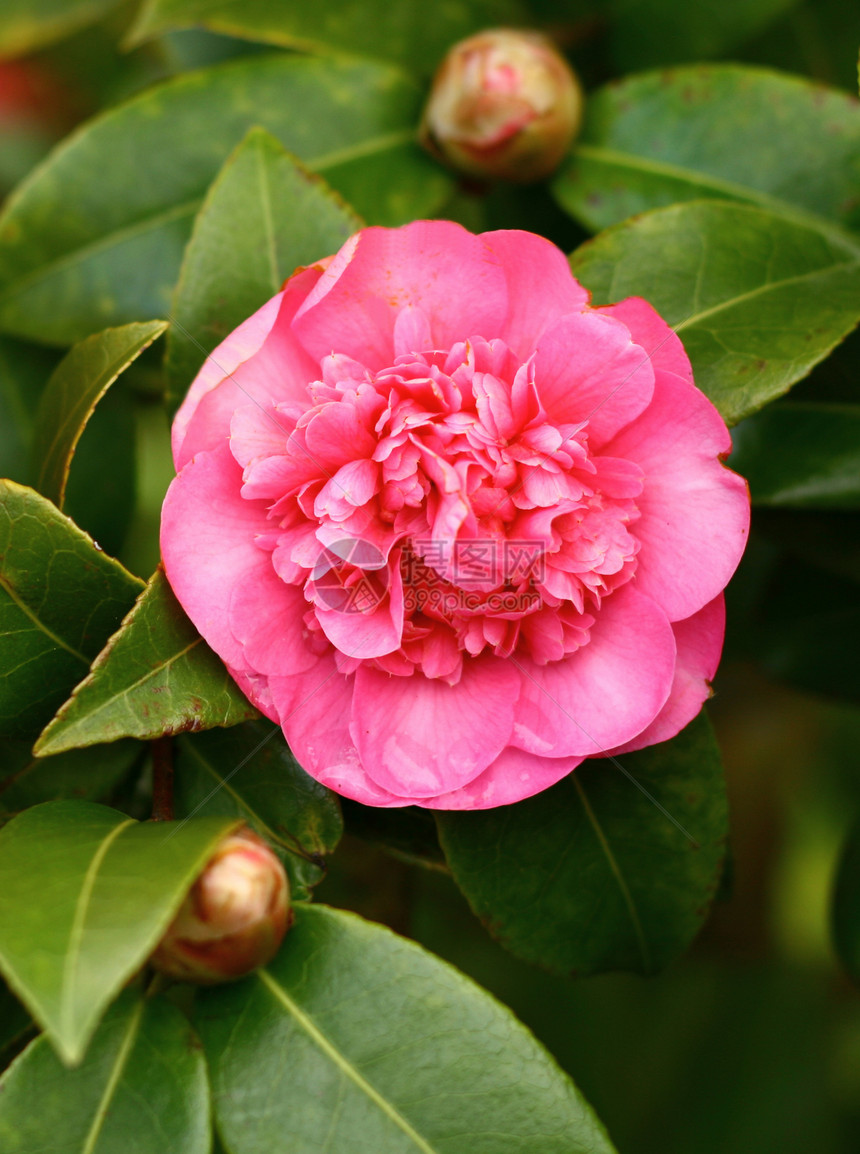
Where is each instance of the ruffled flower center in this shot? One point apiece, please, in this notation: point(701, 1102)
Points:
point(433, 510)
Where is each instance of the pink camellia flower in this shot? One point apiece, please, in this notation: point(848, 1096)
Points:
point(448, 525)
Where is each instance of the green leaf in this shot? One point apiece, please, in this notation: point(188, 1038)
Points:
point(155, 676)
point(651, 32)
point(142, 552)
point(408, 832)
point(801, 454)
point(817, 37)
point(417, 35)
point(355, 1039)
point(248, 772)
point(136, 176)
point(85, 895)
point(828, 540)
point(22, 145)
point(809, 642)
point(101, 493)
point(28, 24)
point(16, 1026)
point(263, 217)
point(80, 774)
point(80, 381)
point(60, 600)
point(142, 1087)
point(24, 370)
point(595, 874)
point(728, 132)
point(757, 299)
point(845, 915)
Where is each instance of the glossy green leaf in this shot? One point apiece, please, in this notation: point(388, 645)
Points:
point(845, 915)
point(80, 381)
point(416, 34)
point(60, 600)
point(595, 874)
point(728, 132)
point(802, 455)
point(356, 1040)
point(28, 24)
point(137, 175)
point(85, 895)
point(80, 774)
point(155, 676)
point(142, 1087)
point(652, 32)
point(248, 772)
point(757, 298)
point(264, 217)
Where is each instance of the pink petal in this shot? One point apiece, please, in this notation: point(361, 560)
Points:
point(314, 713)
point(587, 368)
point(241, 344)
point(700, 642)
point(260, 361)
point(267, 618)
point(606, 692)
point(225, 583)
point(694, 511)
point(411, 332)
point(513, 776)
point(258, 433)
point(207, 545)
point(649, 330)
point(271, 478)
point(436, 266)
point(541, 287)
point(368, 633)
point(335, 435)
point(419, 737)
point(354, 483)
point(256, 688)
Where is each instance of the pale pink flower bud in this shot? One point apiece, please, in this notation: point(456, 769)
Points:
point(504, 105)
point(234, 917)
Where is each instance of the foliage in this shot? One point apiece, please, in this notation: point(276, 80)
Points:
point(724, 193)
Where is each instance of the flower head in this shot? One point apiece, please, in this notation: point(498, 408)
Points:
point(504, 105)
point(451, 527)
point(234, 917)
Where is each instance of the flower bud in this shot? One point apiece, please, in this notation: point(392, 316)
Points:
point(504, 105)
point(234, 917)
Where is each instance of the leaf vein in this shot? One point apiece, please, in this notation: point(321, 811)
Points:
point(617, 874)
point(77, 928)
point(342, 1062)
point(40, 625)
point(113, 1080)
